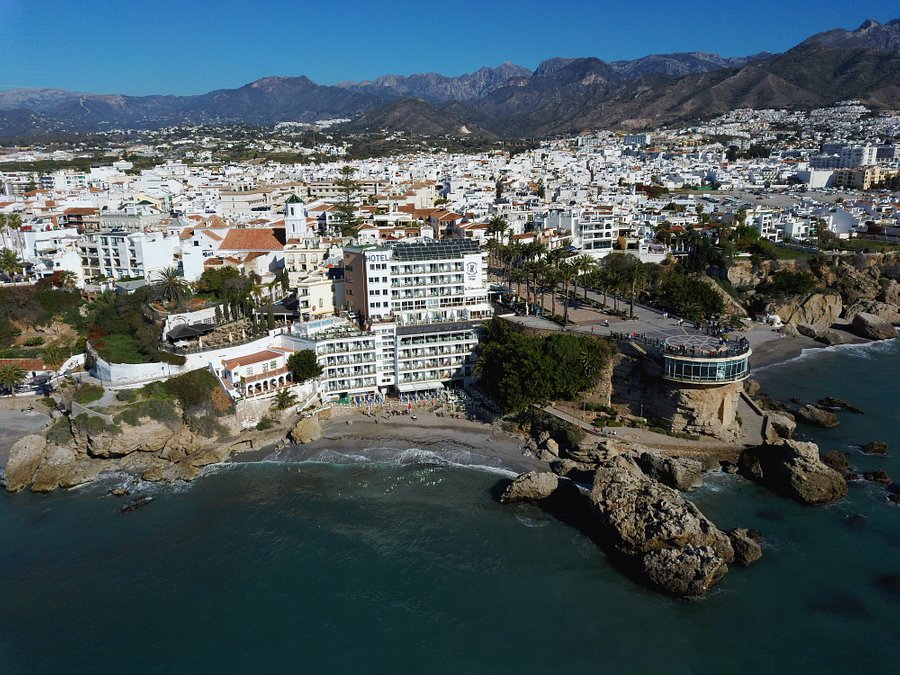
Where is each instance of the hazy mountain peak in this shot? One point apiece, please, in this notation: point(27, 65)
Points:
point(869, 35)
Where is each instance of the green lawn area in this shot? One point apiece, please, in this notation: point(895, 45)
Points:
point(790, 254)
point(121, 348)
point(88, 393)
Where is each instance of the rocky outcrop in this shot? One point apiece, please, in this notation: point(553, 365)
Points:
point(746, 549)
point(56, 467)
point(677, 549)
point(816, 416)
point(732, 306)
point(645, 525)
point(838, 461)
point(794, 469)
point(306, 430)
point(880, 309)
point(816, 311)
point(24, 459)
point(637, 383)
point(531, 486)
point(875, 448)
point(782, 423)
point(831, 337)
point(123, 439)
point(77, 450)
point(680, 473)
point(873, 327)
point(890, 293)
point(686, 572)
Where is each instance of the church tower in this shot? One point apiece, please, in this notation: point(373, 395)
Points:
point(295, 218)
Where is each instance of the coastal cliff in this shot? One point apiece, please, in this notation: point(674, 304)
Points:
point(74, 451)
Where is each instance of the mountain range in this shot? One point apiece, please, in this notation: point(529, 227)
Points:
point(562, 96)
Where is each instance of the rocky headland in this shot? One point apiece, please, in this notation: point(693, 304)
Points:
point(613, 492)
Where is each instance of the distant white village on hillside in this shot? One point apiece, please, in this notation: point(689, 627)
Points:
point(396, 305)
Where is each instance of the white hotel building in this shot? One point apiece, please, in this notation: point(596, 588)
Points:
point(420, 306)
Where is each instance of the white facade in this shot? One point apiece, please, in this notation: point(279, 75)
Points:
point(119, 255)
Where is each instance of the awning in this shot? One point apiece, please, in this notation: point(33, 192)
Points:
point(407, 387)
point(183, 332)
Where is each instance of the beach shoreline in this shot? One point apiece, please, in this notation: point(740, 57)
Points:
point(353, 435)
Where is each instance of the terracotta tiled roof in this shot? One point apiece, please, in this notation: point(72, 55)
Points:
point(250, 359)
point(26, 364)
point(255, 239)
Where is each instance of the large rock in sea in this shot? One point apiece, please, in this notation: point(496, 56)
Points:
point(306, 430)
point(814, 415)
point(537, 486)
point(688, 572)
point(675, 546)
point(873, 327)
point(794, 469)
point(24, 459)
point(680, 473)
point(746, 550)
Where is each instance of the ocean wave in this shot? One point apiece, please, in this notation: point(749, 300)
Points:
point(393, 457)
point(531, 522)
point(862, 350)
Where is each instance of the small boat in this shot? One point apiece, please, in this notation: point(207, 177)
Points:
point(136, 504)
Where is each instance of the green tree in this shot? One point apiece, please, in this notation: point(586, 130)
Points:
point(169, 285)
point(11, 376)
point(9, 262)
point(284, 399)
point(345, 209)
point(303, 365)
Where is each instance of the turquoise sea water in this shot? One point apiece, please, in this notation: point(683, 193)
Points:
point(411, 568)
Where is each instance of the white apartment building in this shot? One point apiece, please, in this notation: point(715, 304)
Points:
point(119, 255)
point(425, 302)
point(346, 353)
point(417, 282)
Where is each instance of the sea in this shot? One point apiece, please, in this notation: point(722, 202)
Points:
point(381, 565)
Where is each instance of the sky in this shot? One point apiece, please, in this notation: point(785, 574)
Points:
point(139, 47)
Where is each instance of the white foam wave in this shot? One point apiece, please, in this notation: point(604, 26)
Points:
point(863, 350)
point(530, 522)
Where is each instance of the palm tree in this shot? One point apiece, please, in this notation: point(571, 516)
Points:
point(9, 262)
point(602, 281)
point(284, 399)
point(637, 275)
point(11, 376)
point(585, 265)
point(66, 279)
point(552, 277)
point(567, 271)
point(56, 353)
point(614, 279)
point(169, 285)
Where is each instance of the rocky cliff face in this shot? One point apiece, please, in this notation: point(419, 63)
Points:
point(74, 452)
point(711, 411)
point(816, 311)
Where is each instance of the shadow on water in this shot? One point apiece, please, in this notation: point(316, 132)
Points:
point(573, 508)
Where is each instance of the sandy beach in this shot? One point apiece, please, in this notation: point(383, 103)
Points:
point(19, 417)
point(350, 435)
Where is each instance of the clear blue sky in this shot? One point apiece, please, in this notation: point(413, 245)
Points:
point(193, 46)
